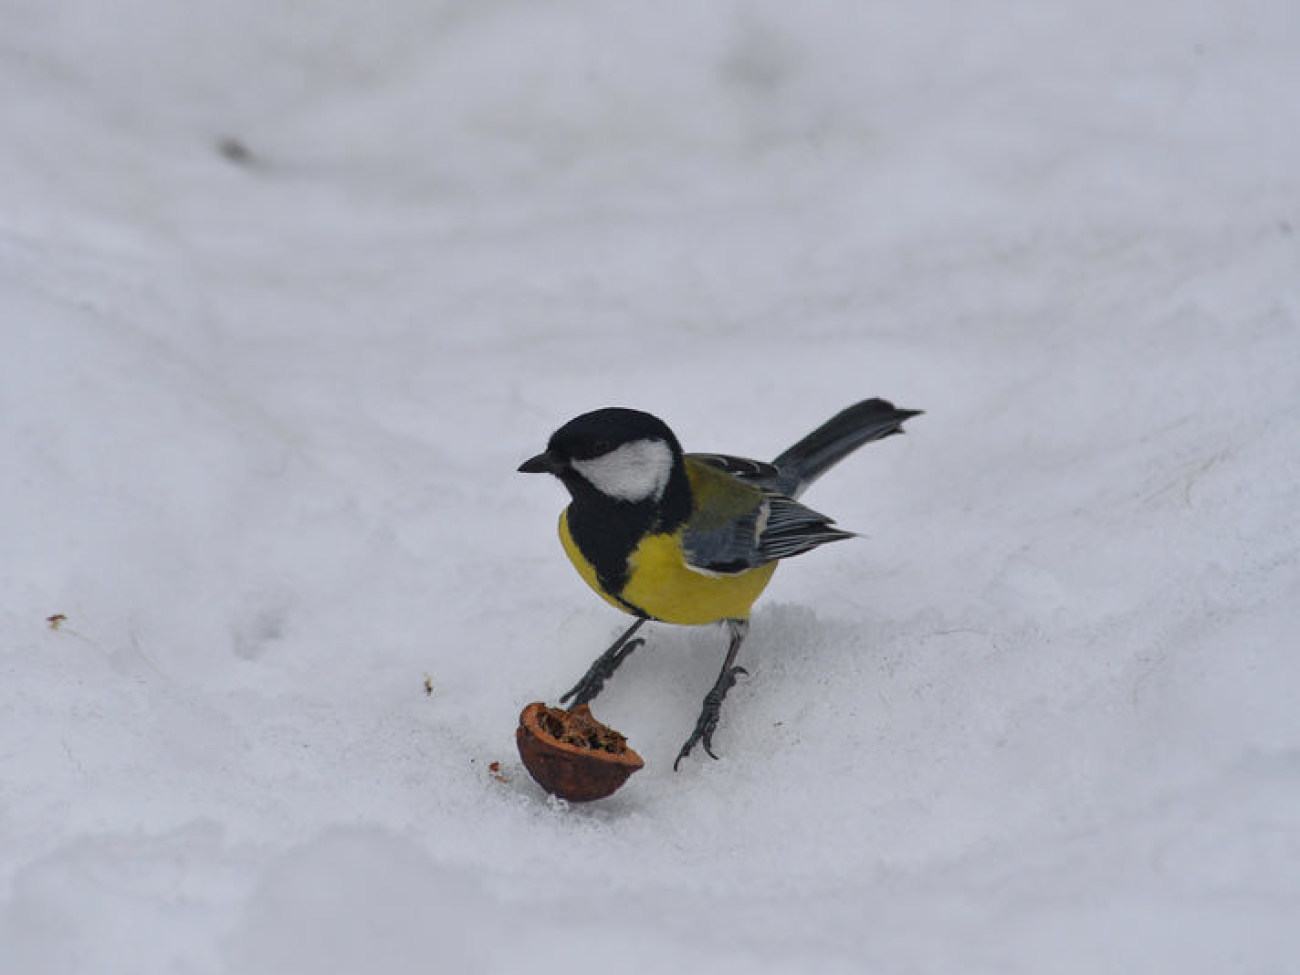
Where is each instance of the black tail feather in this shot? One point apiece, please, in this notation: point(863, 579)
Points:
point(835, 439)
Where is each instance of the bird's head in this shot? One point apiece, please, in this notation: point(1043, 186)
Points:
point(620, 454)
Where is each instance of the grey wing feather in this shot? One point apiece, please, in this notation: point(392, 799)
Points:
point(793, 528)
point(779, 528)
point(728, 547)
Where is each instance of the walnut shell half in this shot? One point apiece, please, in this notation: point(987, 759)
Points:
point(571, 754)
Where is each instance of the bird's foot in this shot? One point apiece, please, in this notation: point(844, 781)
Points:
point(593, 681)
point(708, 720)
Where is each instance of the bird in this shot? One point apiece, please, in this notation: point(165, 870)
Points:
point(690, 538)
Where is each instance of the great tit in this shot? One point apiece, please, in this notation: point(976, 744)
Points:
point(689, 538)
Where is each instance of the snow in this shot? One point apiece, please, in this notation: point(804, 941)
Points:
point(259, 420)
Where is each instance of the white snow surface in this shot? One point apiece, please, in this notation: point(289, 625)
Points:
point(260, 418)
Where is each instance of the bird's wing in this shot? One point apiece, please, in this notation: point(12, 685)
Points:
point(737, 526)
point(756, 472)
point(793, 528)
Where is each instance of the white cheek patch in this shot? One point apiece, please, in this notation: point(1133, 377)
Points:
point(636, 471)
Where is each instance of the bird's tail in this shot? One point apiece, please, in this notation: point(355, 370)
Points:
point(835, 439)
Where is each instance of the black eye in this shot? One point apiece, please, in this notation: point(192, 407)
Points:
point(601, 447)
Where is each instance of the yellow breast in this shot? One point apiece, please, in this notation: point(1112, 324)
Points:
point(662, 585)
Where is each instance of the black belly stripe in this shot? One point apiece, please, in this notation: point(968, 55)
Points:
point(607, 533)
point(632, 608)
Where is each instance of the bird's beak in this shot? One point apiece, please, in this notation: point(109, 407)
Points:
point(543, 463)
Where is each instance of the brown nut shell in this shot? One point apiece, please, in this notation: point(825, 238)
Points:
point(571, 754)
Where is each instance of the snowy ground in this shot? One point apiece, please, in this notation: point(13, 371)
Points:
point(259, 419)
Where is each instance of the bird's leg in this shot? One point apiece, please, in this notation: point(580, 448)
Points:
point(708, 720)
point(593, 681)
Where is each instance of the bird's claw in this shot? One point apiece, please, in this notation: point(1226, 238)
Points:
point(708, 720)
